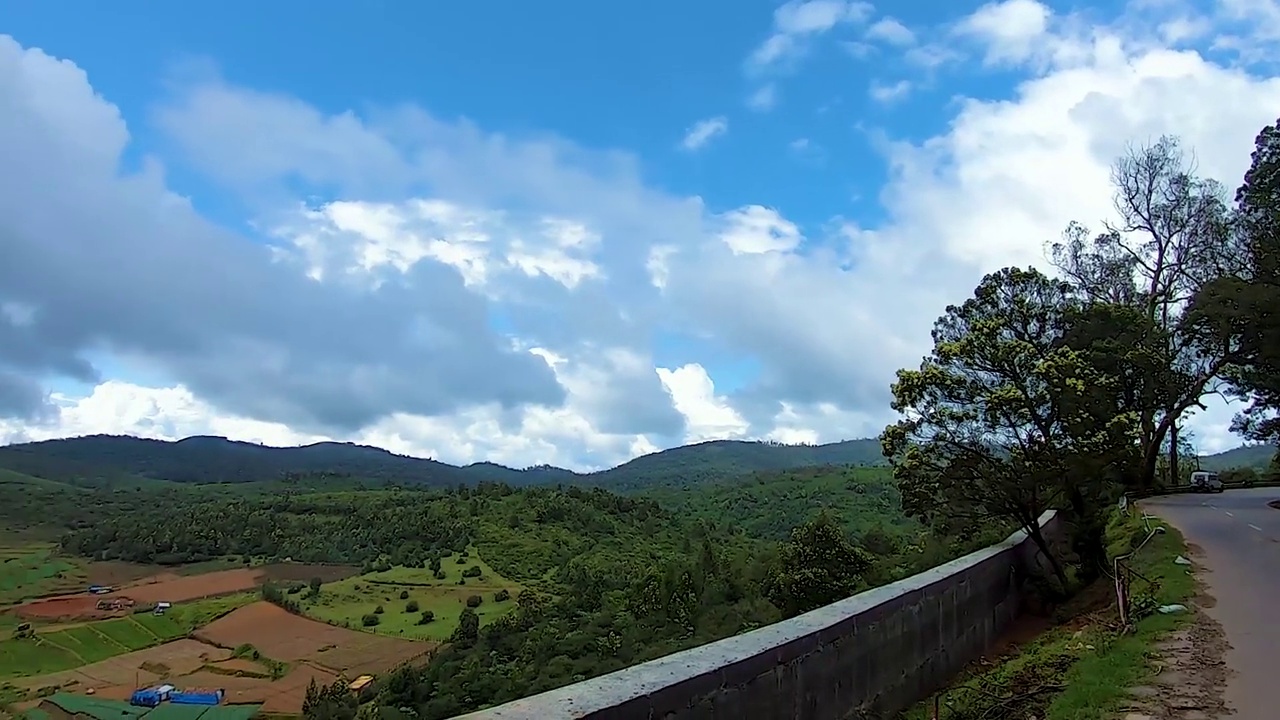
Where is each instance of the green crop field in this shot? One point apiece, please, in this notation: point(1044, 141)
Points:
point(30, 570)
point(347, 601)
point(64, 649)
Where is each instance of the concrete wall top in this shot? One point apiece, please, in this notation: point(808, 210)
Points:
point(612, 690)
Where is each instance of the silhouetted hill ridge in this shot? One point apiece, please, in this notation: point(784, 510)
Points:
point(98, 460)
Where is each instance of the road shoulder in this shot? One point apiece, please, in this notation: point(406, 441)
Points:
point(1188, 670)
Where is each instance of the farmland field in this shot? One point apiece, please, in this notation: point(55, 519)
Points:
point(290, 638)
point(54, 650)
point(346, 602)
point(31, 570)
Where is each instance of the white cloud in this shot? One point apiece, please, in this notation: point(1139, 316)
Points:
point(703, 132)
point(764, 98)
point(570, 254)
point(1009, 29)
point(707, 415)
point(795, 22)
point(889, 93)
point(891, 31)
point(756, 230)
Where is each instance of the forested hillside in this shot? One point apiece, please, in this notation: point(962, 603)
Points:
point(120, 461)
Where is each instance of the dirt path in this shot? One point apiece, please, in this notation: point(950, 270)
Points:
point(1191, 668)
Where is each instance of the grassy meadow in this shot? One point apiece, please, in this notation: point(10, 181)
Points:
point(29, 570)
point(346, 602)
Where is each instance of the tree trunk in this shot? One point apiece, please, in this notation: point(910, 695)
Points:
point(1089, 537)
point(1175, 476)
point(1059, 571)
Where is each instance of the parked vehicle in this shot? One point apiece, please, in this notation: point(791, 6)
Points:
point(1203, 481)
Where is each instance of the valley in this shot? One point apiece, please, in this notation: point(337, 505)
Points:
point(276, 576)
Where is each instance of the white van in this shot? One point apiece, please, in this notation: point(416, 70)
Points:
point(1204, 481)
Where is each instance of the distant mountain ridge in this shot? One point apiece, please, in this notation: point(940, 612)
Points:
point(122, 460)
point(108, 460)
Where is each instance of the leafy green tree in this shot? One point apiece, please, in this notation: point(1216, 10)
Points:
point(1238, 313)
point(428, 616)
point(411, 606)
point(1173, 238)
point(329, 702)
point(991, 429)
point(468, 630)
point(817, 567)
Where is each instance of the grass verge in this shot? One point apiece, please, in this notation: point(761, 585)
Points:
point(1082, 667)
point(1098, 685)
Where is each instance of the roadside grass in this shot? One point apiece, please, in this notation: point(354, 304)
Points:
point(1081, 668)
point(346, 602)
point(1098, 685)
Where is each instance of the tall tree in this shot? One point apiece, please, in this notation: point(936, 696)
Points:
point(818, 566)
point(1238, 313)
point(1173, 238)
point(993, 425)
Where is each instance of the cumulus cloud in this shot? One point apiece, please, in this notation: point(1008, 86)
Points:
point(468, 295)
point(1009, 29)
point(887, 93)
point(798, 21)
point(703, 132)
point(891, 31)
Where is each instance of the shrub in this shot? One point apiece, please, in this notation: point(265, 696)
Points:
point(378, 610)
point(404, 594)
point(462, 581)
point(473, 601)
point(370, 620)
point(502, 595)
point(427, 617)
point(473, 571)
point(440, 574)
point(462, 560)
point(411, 606)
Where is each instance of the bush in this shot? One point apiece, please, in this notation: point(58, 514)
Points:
point(462, 581)
point(502, 595)
point(370, 620)
point(474, 601)
point(404, 594)
point(440, 574)
point(378, 610)
point(427, 617)
point(411, 606)
point(462, 560)
point(473, 571)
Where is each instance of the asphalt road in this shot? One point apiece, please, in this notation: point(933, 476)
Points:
point(1240, 537)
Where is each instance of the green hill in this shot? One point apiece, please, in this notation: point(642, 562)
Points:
point(1245, 456)
point(770, 504)
point(122, 461)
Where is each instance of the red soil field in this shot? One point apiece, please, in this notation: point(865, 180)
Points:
point(61, 607)
point(114, 572)
point(176, 588)
point(282, 636)
point(283, 696)
point(180, 657)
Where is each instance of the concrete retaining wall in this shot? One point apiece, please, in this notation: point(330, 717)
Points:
point(867, 656)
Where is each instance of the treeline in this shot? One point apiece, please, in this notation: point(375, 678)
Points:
point(1063, 392)
point(396, 527)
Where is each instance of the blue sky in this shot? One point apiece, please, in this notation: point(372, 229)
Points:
point(608, 75)
point(484, 230)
